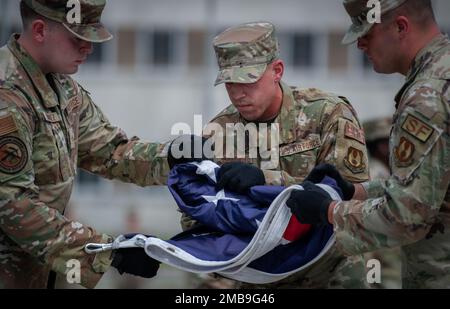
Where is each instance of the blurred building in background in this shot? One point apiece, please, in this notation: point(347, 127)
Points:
point(160, 69)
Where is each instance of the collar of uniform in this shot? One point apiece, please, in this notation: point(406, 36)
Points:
point(425, 54)
point(63, 95)
point(286, 117)
point(423, 57)
point(38, 78)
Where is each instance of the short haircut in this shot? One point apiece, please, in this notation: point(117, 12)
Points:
point(28, 16)
point(419, 12)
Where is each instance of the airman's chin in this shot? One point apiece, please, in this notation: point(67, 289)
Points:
point(383, 70)
point(72, 70)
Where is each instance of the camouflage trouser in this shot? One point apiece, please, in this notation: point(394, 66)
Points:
point(391, 268)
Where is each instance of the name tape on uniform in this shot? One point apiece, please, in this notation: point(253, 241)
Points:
point(300, 147)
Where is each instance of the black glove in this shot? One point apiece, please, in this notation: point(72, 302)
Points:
point(310, 206)
point(239, 177)
point(135, 261)
point(178, 155)
point(322, 170)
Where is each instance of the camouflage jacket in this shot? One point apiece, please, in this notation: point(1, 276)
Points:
point(314, 127)
point(412, 207)
point(49, 126)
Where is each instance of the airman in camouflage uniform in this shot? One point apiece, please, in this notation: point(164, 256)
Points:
point(377, 133)
point(314, 126)
point(49, 126)
point(411, 209)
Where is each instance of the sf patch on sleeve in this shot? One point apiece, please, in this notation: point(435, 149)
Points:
point(412, 143)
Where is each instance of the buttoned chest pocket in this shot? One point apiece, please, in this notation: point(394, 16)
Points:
point(51, 154)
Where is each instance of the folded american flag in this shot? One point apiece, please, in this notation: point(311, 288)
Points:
point(251, 238)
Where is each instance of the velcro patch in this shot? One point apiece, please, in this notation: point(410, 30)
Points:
point(351, 131)
point(404, 152)
point(7, 125)
point(417, 128)
point(13, 155)
point(291, 149)
point(354, 160)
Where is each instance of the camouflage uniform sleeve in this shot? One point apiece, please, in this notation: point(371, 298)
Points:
point(343, 142)
point(410, 200)
point(39, 230)
point(105, 150)
point(279, 178)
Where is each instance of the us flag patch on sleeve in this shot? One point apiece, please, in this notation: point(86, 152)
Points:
point(7, 125)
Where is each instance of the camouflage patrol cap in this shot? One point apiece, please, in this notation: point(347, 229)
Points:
point(377, 128)
point(244, 51)
point(357, 10)
point(89, 29)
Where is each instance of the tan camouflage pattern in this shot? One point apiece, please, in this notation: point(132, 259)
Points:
point(47, 130)
point(312, 126)
point(412, 208)
point(90, 27)
point(243, 52)
point(358, 10)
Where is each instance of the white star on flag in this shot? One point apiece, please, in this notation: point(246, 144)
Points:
point(219, 196)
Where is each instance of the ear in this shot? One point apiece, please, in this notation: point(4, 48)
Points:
point(403, 26)
point(39, 30)
point(278, 70)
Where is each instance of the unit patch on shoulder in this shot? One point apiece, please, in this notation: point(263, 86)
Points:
point(354, 160)
point(417, 128)
point(404, 152)
point(13, 155)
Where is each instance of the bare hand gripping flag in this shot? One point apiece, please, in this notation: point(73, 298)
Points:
point(251, 238)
